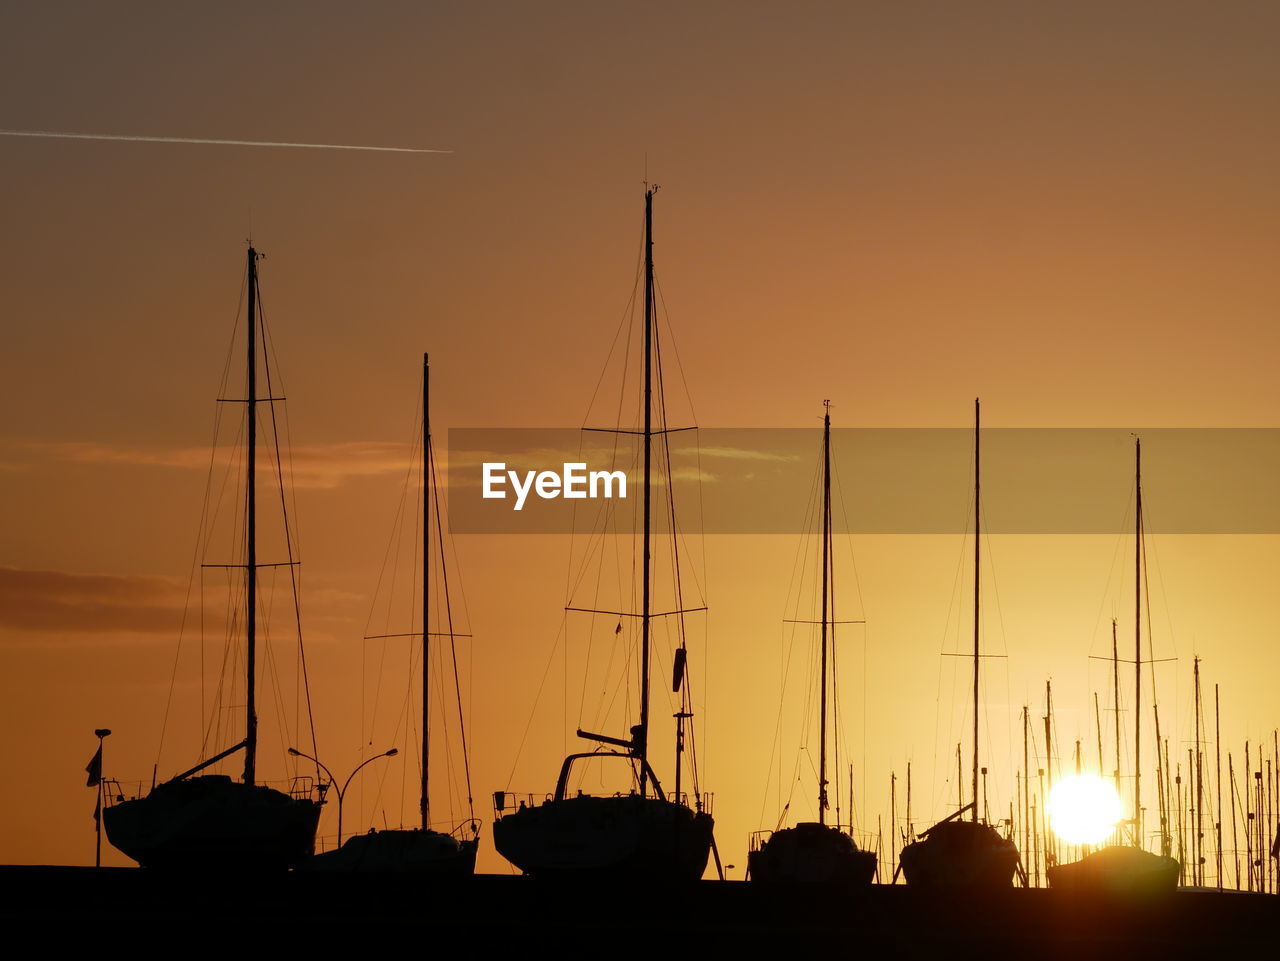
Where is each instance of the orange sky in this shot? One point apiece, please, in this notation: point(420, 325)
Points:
point(1070, 210)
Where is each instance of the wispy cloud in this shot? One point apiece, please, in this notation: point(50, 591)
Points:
point(741, 453)
point(53, 601)
point(314, 466)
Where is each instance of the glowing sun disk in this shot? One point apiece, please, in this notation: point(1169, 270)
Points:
point(1083, 809)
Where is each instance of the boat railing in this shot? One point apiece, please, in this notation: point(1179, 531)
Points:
point(303, 787)
point(116, 792)
point(464, 830)
point(508, 802)
point(864, 839)
point(703, 802)
point(113, 792)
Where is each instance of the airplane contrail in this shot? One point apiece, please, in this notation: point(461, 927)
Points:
point(233, 143)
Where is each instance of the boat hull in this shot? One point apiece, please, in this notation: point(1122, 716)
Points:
point(811, 854)
point(416, 852)
point(1120, 869)
point(212, 823)
point(608, 837)
point(963, 854)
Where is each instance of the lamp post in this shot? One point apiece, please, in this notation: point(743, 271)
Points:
point(342, 791)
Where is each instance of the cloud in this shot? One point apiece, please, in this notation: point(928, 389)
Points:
point(52, 601)
point(742, 453)
point(312, 466)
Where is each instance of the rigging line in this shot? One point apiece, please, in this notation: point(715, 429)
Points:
point(289, 535)
point(401, 732)
point(603, 708)
point(391, 557)
point(438, 680)
point(272, 662)
point(799, 567)
point(230, 660)
point(230, 608)
point(537, 696)
point(595, 537)
point(952, 608)
point(568, 574)
point(990, 557)
point(622, 686)
point(603, 515)
point(461, 586)
point(204, 511)
point(448, 609)
point(412, 735)
point(857, 582)
point(671, 510)
point(626, 322)
point(1111, 577)
point(675, 347)
point(293, 535)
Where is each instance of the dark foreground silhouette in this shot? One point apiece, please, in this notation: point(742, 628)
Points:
point(123, 905)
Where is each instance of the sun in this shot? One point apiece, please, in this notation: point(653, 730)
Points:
point(1083, 809)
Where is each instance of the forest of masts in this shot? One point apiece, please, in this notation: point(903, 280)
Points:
point(1218, 809)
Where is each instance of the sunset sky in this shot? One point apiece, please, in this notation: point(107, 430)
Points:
point(1070, 210)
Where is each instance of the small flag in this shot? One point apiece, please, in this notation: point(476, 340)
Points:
point(94, 768)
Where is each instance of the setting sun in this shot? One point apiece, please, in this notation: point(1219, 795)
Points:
point(1083, 809)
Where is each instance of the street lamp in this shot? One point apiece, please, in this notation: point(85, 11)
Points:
point(333, 780)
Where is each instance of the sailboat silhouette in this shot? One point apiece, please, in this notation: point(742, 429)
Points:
point(420, 851)
point(212, 821)
point(816, 852)
point(647, 832)
point(955, 852)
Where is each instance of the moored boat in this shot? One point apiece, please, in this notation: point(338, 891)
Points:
point(955, 852)
point(816, 852)
point(1117, 869)
point(420, 851)
point(643, 832)
point(211, 822)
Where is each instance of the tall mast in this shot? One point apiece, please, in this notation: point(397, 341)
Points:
point(251, 525)
point(1217, 747)
point(1115, 681)
point(425, 802)
point(1198, 846)
point(826, 614)
point(1097, 726)
point(641, 739)
point(977, 582)
point(911, 834)
point(1048, 757)
point(1137, 653)
point(1026, 778)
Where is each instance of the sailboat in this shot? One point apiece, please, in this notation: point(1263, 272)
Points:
point(419, 851)
point(647, 832)
point(816, 851)
point(209, 821)
point(1125, 868)
point(955, 852)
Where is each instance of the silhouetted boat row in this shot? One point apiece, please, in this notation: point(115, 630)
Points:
point(198, 821)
